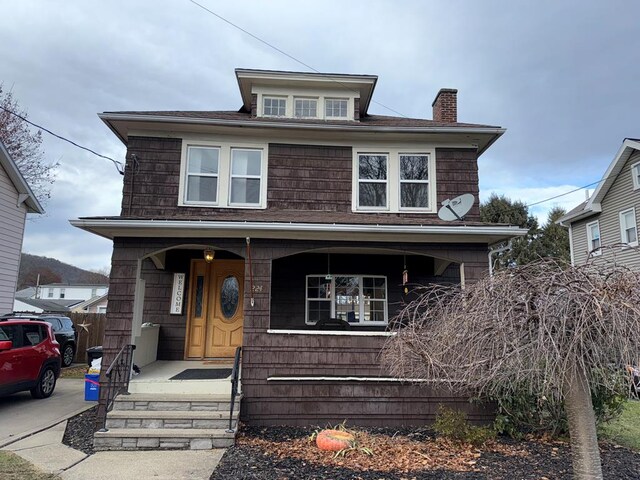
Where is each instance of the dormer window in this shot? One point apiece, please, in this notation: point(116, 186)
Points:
point(336, 108)
point(306, 108)
point(274, 106)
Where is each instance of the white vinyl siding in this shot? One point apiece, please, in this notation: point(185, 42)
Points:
point(12, 219)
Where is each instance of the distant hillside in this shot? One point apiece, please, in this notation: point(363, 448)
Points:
point(54, 271)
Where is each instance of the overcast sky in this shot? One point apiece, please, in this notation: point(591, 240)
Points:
point(562, 77)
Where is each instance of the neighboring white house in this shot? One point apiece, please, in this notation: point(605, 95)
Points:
point(16, 200)
point(63, 291)
point(609, 218)
point(62, 297)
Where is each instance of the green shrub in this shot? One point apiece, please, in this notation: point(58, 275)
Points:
point(453, 425)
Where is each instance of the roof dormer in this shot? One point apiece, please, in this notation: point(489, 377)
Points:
point(305, 96)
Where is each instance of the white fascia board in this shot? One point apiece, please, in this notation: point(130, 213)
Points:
point(110, 228)
point(595, 209)
point(19, 182)
point(625, 151)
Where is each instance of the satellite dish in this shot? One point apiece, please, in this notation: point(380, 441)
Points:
point(457, 208)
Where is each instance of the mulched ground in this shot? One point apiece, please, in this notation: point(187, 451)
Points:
point(79, 431)
point(285, 453)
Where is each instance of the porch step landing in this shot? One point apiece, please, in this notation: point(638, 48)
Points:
point(168, 421)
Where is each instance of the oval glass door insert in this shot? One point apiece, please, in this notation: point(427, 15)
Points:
point(229, 296)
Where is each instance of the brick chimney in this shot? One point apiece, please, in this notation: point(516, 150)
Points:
point(445, 106)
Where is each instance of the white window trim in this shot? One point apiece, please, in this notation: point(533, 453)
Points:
point(211, 175)
point(361, 323)
point(302, 98)
point(593, 252)
point(393, 178)
point(224, 172)
point(368, 208)
point(274, 97)
point(306, 93)
point(623, 236)
point(635, 173)
point(338, 117)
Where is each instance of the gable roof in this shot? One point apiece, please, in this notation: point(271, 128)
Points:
point(593, 205)
point(51, 304)
point(25, 193)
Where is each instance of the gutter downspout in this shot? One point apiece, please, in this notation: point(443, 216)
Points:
point(493, 251)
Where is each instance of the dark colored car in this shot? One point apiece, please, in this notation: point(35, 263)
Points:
point(29, 358)
point(63, 329)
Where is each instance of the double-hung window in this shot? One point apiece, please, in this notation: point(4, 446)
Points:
point(414, 181)
point(246, 172)
point(372, 181)
point(593, 238)
point(274, 106)
point(306, 108)
point(357, 299)
point(336, 108)
point(635, 174)
point(202, 175)
point(628, 228)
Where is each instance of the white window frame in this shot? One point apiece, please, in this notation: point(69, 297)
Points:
point(393, 177)
point(274, 97)
point(361, 303)
point(594, 251)
point(368, 208)
point(426, 182)
point(49, 292)
point(247, 176)
point(210, 175)
point(62, 292)
point(339, 117)
point(305, 99)
point(623, 227)
point(225, 144)
point(635, 175)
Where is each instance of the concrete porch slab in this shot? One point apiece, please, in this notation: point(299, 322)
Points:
point(155, 378)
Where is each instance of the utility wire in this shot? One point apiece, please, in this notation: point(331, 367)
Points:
point(286, 54)
point(119, 166)
point(563, 194)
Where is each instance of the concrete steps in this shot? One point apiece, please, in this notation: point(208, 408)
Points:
point(168, 421)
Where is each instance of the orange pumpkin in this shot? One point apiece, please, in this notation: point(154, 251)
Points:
point(334, 440)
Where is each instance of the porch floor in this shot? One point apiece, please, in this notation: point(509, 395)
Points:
point(154, 378)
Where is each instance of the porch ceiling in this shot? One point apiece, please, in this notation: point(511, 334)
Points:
point(111, 228)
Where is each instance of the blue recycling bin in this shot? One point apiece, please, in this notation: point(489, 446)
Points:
point(91, 387)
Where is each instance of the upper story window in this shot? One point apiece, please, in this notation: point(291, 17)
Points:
point(394, 181)
point(336, 108)
point(49, 292)
point(274, 106)
point(628, 228)
point(226, 175)
point(635, 174)
point(62, 293)
point(593, 238)
point(306, 108)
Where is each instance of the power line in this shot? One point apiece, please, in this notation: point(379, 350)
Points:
point(286, 54)
point(563, 194)
point(119, 166)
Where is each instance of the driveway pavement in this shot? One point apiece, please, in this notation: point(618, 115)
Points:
point(22, 415)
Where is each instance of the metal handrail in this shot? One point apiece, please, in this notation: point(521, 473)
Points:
point(118, 375)
point(235, 374)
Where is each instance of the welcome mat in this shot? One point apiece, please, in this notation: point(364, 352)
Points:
point(203, 374)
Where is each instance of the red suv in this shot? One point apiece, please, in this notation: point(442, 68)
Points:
point(29, 358)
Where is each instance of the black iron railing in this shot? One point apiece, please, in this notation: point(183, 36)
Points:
point(118, 375)
point(235, 375)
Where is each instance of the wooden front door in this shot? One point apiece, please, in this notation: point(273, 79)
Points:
point(215, 313)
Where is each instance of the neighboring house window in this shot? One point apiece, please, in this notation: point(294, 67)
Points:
point(226, 175)
point(94, 292)
point(49, 292)
point(414, 181)
point(202, 175)
point(246, 171)
point(593, 238)
point(635, 173)
point(274, 107)
point(372, 181)
point(62, 293)
point(101, 310)
point(306, 108)
point(336, 108)
point(628, 229)
point(357, 299)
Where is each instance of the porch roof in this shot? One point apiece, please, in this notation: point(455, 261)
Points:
point(111, 228)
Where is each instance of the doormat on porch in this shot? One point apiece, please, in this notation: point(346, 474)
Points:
point(203, 374)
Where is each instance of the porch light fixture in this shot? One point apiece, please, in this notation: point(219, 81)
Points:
point(208, 255)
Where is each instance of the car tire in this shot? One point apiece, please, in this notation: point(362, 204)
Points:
point(46, 384)
point(67, 355)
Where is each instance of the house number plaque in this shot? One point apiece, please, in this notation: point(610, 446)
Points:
point(177, 294)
